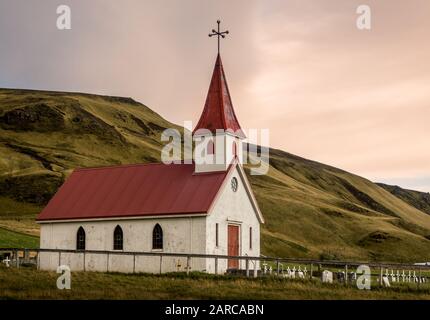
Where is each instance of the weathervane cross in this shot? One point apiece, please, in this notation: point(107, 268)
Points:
point(218, 33)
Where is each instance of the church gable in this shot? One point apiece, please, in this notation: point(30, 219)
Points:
point(235, 197)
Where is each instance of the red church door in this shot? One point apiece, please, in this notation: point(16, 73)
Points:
point(233, 246)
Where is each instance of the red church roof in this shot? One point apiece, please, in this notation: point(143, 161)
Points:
point(132, 191)
point(218, 112)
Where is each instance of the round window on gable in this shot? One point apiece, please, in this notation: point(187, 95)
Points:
point(234, 184)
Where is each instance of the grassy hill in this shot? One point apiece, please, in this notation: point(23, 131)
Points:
point(417, 199)
point(311, 209)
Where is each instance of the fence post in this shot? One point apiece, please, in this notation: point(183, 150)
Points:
point(188, 264)
point(59, 258)
point(255, 269)
point(277, 268)
point(134, 263)
point(311, 274)
point(247, 267)
point(107, 262)
point(419, 277)
point(380, 276)
point(84, 260)
point(38, 260)
point(216, 265)
point(17, 258)
point(161, 262)
point(346, 274)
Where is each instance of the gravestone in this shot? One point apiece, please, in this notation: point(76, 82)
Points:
point(353, 277)
point(385, 282)
point(340, 276)
point(327, 276)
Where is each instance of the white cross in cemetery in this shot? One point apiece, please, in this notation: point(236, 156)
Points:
point(398, 276)
point(393, 276)
point(6, 262)
point(300, 273)
point(264, 268)
point(409, 276)
point(289, 273)
point(403, 275)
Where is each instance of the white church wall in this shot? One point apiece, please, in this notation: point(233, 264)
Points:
point(180, 235)
point(232, 208)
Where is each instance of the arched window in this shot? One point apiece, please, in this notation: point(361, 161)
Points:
point(117, 238)
point(211, 147)
point(80, 239)
point(157, 237)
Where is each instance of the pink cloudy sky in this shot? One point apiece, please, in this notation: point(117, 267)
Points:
point(357, 100)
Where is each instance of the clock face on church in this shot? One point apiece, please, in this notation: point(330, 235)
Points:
point(234, 184)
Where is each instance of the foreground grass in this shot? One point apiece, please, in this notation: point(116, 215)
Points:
point(27, 283)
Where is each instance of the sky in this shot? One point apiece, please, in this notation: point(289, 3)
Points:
point(328, 91)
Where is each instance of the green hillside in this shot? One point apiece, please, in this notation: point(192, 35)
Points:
point(417, 199)
point(311, 209)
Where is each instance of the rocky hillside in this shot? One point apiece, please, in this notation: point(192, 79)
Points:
point(311, 209)
point(417, 199)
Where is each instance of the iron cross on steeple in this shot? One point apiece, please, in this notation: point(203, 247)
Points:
point(218, 33)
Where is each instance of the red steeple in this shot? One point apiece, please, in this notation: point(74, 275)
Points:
point(218, 112)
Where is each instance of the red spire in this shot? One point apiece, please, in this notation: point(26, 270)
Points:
point(218, 112)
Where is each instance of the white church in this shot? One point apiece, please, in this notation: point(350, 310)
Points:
point(198, 208)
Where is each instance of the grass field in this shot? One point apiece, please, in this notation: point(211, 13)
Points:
point(28, 283)
point(12, 239)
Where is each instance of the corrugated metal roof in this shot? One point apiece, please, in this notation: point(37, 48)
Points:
point(134, 190)
point(218, 112)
